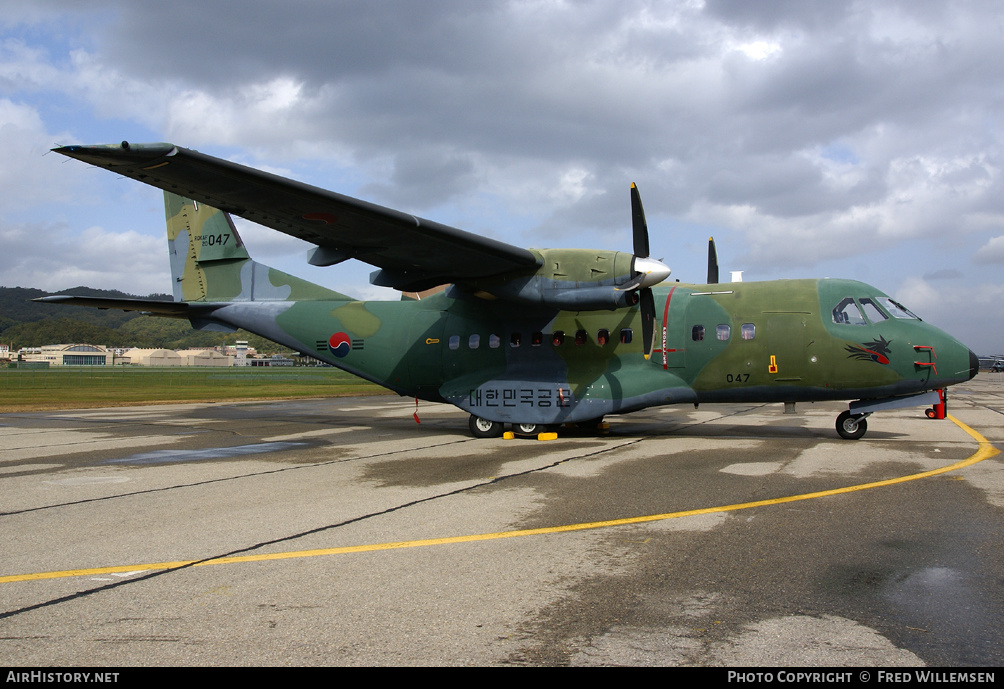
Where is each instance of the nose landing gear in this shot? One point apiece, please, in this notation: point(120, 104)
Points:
point(851, 426)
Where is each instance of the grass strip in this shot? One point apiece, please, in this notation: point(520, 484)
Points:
point(80, 387)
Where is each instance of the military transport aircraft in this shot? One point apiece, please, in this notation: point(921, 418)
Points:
point(528, 337)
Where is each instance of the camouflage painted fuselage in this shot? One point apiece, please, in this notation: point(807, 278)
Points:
point(524, 359)
point(779, 341)
point(718, 343)
point(524, 336)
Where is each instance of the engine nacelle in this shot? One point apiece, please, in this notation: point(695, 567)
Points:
point(578, 280)
point(537, 291)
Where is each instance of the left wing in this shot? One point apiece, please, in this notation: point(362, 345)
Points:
point(412, 253)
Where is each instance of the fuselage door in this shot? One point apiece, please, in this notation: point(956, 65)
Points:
point(787, 347)
point(426, 351)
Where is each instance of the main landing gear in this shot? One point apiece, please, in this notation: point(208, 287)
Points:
point(851, 426)
point(483, 428)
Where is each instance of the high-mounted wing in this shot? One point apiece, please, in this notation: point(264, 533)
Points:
point(412, 253)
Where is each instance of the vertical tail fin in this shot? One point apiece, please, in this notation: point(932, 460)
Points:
point(209, 262)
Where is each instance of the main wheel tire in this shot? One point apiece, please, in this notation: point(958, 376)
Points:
point(527, 428)
point(483, 428)
point(851, 426)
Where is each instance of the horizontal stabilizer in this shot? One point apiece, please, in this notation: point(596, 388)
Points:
point(161, 308)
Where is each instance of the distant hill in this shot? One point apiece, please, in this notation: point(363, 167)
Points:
point(26, 323)
point(16, 305)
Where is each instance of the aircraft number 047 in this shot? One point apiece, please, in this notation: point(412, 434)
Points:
point(213, 239)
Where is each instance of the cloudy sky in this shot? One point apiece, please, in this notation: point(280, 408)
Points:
point(811, 138)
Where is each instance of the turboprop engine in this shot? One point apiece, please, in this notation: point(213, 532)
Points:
point(587, 280)
point(580, 280)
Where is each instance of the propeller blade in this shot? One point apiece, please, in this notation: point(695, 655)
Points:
point(633, 283)
point(647, 320)
point(712, 262)
point(649, 271)
point(639, 228)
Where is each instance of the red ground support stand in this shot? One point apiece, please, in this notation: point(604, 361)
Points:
point(939, 410)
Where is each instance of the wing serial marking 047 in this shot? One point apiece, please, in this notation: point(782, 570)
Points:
point(528, 337)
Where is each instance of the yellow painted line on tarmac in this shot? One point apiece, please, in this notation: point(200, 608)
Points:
point(986, 451)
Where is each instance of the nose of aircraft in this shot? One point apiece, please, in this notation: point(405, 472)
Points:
point(974, 364)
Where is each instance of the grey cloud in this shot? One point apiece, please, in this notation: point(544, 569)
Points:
point(770, 16)
point(944, 274)
point(126, 261)
point(462, 97)
point(218, 43)
point(425, 177)
point(992, 252)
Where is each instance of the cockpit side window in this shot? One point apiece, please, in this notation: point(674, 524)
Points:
point(896, 309)
point(872, 311)
point(848, 313)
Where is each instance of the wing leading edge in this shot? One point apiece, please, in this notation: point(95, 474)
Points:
point(412, 253)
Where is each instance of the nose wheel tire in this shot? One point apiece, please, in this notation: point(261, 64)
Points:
point(483, 428)
point(851, 426)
